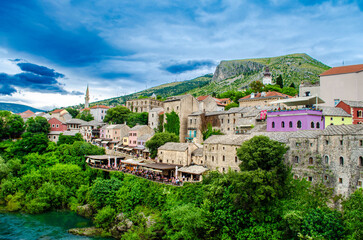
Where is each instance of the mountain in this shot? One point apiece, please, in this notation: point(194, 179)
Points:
point(238, 74)
point(17, 108)
point(165, 90)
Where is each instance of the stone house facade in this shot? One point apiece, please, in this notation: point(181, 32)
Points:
point(154, 117)
point(211, 104)
point(143, 104)
point(183, 105)
point(308, 89)
point(261, 99)
point(177, 153)
point(355, 108)
point(74, 124)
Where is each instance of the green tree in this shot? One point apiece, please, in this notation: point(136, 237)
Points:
point(65, 139)
point(172, 124)
point(231, 105)
point(104, 191)
point(158, 140)
point(161, 123)
point(137, 118)
point(31, 143)
point(256, 86)
point(269, 87)
point(210, 131)
point(85, 116)
point(37, 125)
point(279, 81)
point(117, 115)
point(289, 91)
point(73, 112)
point(11, 125)
point(353, 215)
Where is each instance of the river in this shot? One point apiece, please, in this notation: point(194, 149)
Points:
point(46, 226)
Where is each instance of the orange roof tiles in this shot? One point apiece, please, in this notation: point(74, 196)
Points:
point(201, 98)
point(57, 110)
point(100, 106)
point(343, 69)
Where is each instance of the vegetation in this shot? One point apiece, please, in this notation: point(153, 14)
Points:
point(209, 132)
point(11, 125)
point(231, 105)
point(37, 125)
point(137, 118)
point(172, 124)
point(262, 201)
point(85, 116)
point(158, 140)
point(73, 112)
point(117, 115)
point(256, 86)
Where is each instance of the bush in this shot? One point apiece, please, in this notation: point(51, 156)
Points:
point(105, 217)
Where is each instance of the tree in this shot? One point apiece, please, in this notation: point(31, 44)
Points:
point(137, 118)
point(73, 112)
point(209, 132)
point(353, 215)
point(260, 152)
point(256, 86)
point(158, 140)
point(269, 87)
point(15, 126)
point(231, 105)
point(292, 85)
point(279, 81)
point(117, 115)
point(85, 116)
point(31, 142)
point(65, 139)
point(172, 124)
point(289, 91)
point(37, 125)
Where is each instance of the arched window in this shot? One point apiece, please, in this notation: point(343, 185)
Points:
point(359, 113)
point(273, 124)
point(299, 124)
point(290, 124)
point(296, 159)
point(311, 160)
point(341, 161)
point(326, 159)
point(361, 161)
point(312, 125)
point(283, 124)
point(318, 125)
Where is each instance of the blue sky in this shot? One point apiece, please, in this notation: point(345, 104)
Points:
point(50, 50)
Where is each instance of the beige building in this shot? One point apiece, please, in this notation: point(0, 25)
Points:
point(74, 124)
point(143, 104)
point(307, 89)
point(261, 99)
point(177, 153)
point(341, 83)
point(116, 132)
point(211, 104)
point(183, 105)
point(154, 117)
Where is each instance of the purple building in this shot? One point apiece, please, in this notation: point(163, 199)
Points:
point(295, 120)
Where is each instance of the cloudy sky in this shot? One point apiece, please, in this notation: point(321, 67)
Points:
point(50, 50)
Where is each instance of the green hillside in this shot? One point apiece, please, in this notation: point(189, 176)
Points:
point(17, 108)
point(165, 90)
point(238, 74)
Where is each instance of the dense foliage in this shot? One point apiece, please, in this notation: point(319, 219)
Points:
point(172, 124)
point(117, 115)
point(73, 112)
point(210, 131)
point(261, 201)
point(37, 125)
point(11, 125)
point(85, 115)
point(158, 140)
point(137, 118)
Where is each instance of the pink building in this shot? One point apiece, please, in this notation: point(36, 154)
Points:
point(138, 131)
point(57, 125)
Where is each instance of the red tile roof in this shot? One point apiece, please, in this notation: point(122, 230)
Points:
point(201, 98)
point(100, 106)
point(268, 95)
point(26, 114)
point(343, 69)
point(57, 110)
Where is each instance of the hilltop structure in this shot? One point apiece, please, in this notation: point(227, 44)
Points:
point(267, 76)
point(86, 102)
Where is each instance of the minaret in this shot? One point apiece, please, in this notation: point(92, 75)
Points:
point(267, 78)
point(86, 103)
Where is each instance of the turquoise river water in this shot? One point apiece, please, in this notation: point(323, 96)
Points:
point(46, 226)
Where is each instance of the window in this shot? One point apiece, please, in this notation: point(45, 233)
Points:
point(312, 125)
point(326, 142)
point(299, 124)
point(311, 144)
point(310, 179)
point(283, 124)
point(359, 184)
point(342, 119)
point(318, 125)
point(290, 124)
point(360, 142)
point(341, 161)
point(327, 159)
point(296, 159)
point(340, 180)
point(228, 121)
point(57, 126)
point(177, 107)
point(205, 157)
point(224, 158)
point(273, 124)
point(235, 159)
point(191, 121)
point(359, 113)
point(331, 119)
point(341, 142)
point(311, 160)
point(53, 125)
point(326, 177)
point(224, 169)
point(212, 158)
point(361, 161)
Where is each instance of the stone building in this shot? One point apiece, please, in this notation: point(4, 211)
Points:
point(143, 104)
point(183, 105)
point(154, 117)
point(341, 83)
point(91, 130)
point(307, 89)
point(74, 124)
point(261, 99)
point(355, 108)
point(333, 156)
point(177, 153)
point(211, 104)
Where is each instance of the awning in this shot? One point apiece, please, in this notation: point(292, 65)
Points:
point(104, 142)
point(300, 101)
point(194, 169)
point(139, 148)
point(128, 149)
point(98, 140)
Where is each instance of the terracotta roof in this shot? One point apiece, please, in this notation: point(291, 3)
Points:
point(57, 110)
point(223, 99)
point(100, 106)
point(201, 98)
point(268, 95)
point(26, 114)
point(343, 69)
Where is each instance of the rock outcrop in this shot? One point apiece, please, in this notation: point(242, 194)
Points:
point(228, 69)
point(85, 210)
point(89, 231)
point(122, 225)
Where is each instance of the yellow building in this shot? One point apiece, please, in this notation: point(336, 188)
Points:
point(125, 141)
point(336, 116)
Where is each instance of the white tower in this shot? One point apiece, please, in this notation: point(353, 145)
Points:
point(86, 103)
point(267, 78)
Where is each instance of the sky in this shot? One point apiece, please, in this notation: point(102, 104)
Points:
point(51, 50)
